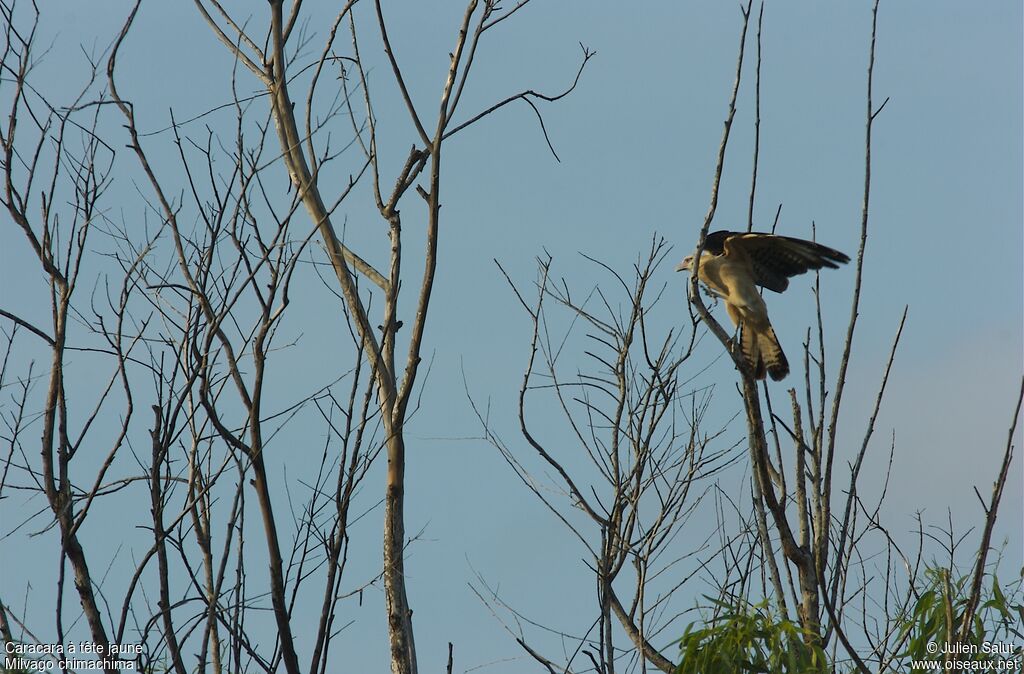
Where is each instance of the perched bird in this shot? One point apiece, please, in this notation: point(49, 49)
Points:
point(733, 264)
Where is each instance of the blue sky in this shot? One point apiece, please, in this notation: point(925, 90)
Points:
point(637, 143)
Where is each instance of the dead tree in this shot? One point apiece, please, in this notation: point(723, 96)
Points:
point(807, 544)
point(634, 470)
point(394, 376)
point(809, 533)
point(194, 311)
point(813, 524)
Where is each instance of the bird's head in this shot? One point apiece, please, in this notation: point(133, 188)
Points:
point(686, 264)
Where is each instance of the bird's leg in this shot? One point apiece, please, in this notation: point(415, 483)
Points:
point(737, 320)
point(712, 293)
point(715, 298)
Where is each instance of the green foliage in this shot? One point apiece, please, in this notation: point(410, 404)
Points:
point(939, 612)
point(745, 637)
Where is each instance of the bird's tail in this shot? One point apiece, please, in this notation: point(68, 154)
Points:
point(763, 353)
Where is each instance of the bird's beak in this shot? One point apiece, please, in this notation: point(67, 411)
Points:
point(683, 266)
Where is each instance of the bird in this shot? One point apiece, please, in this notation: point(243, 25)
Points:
point(733, 264)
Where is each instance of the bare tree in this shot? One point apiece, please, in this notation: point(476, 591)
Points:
point(648, 458)
point(808, 541)
point(168, 326)
point(805, 545)
point(191, 310)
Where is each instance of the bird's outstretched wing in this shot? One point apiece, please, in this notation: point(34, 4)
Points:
point(774, 259)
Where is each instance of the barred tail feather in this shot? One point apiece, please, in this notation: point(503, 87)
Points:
point(772, 355)
point(750, 344)
point(763, 353)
